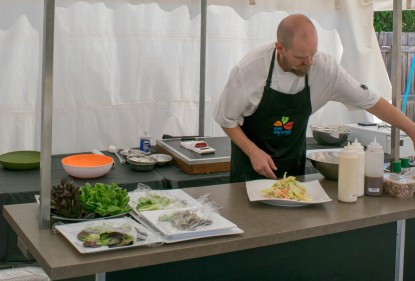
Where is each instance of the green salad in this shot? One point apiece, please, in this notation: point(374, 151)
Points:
point(104, 199)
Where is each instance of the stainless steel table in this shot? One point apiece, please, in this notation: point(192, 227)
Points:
point(264, 226)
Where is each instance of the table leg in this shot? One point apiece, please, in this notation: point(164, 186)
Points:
point(100, 276)
point(400, 249)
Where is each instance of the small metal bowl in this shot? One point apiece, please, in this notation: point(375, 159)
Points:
point(162, 159)
point(141, 164)
point(330, 135)
point(131, 152)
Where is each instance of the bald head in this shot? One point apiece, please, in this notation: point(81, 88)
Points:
point(296, 29)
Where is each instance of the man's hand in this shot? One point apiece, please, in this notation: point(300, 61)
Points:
point(263, 164)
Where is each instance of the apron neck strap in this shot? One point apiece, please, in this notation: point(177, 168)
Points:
point(271, 68)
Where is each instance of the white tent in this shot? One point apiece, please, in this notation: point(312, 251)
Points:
point(123, 67)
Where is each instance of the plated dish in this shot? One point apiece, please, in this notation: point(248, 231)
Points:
point(314, 189)
point(141, 236)
point(185, 223)
point(141, 201)
point(176, 216)
point(167, 239)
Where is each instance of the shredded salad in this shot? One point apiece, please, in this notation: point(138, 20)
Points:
point(287, 188)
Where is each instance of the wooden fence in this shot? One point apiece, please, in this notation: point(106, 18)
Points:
point(408, 50)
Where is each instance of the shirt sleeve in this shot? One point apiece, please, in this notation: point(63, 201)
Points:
point(342, 87)
point(235, 101)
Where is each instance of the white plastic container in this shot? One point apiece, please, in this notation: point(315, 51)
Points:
point(374, 169)
point(348, 175)
point(361, 166)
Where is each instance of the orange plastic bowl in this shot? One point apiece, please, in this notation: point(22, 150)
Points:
point(87, 166)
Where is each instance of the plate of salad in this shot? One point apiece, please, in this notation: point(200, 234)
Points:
point(153, 200)
point(286, 192)
point(106, 235)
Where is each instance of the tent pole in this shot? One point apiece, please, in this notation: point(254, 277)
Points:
point(203, 16)
point(396, 74)
point(395, 134)
point(47, 108)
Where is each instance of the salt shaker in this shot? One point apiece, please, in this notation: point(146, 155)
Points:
point(361, 167)
point(374, 169)
point(348, 175)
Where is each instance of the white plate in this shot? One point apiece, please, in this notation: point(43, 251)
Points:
point(183, 199)
point(217, 227)
point(71, 230)
point(231, 231)
point(314, 189)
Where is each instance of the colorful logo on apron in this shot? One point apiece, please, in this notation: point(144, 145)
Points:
point(283, 127)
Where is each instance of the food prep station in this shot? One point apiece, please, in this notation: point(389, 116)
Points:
point(192, 162)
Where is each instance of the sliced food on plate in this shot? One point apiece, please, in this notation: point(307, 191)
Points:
point(185, 220)
point(287, 188)
point(97, 236)
point(286, 192)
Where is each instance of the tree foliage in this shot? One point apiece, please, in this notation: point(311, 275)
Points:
point(383, 21)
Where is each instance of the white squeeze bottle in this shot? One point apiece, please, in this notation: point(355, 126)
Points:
point(361, 172)
point(374, 169)
point(348, 174)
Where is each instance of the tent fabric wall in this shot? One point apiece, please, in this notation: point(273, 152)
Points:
point(125, 67)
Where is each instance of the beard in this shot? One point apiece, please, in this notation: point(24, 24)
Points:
point(300, 71)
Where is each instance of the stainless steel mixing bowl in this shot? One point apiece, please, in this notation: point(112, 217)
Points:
point(326, 162)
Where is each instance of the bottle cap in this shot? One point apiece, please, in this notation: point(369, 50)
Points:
point(348, 151)
point(396, 167)
point(374, 146)
point(357, 145)
point(405, 162)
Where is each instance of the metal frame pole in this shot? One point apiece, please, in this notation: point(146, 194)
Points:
point(47, 108)
point(395, 134)
point(396, 73)
point(203, 17)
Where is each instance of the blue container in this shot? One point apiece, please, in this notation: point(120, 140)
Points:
point(145, 144)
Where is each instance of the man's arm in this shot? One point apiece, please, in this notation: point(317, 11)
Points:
point(261, 162)
point(390, 114)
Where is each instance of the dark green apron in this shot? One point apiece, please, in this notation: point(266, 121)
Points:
point(278, 127)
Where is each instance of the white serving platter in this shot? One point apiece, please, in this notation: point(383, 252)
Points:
point(166, 239)
point(149, 218)
point(71, 230)
point(219, 224)
point(314, 189)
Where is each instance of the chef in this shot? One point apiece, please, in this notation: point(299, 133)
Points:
point(271, 93)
